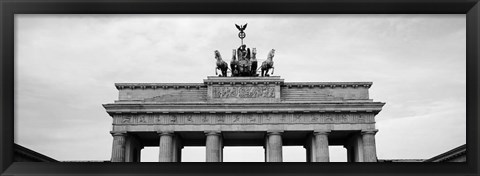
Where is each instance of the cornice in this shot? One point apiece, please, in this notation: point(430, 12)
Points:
point(369, 131)
point(327, 84)
point(121, 86)
point(212, 108)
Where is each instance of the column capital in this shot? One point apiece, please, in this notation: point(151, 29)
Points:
point(118, 133)
point(321, 132)
point(369, 131)
point(274, 132)
point(212, 133)
point(165, 133)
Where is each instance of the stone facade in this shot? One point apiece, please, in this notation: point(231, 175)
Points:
point(244, 111)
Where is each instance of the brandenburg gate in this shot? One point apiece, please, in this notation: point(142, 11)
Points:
point(244, 111)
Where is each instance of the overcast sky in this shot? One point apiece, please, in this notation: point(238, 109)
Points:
point(66, 67)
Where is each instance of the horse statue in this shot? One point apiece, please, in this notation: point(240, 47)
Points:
point(254, 62)
point(221, 65)
point(244, 63)
point(268, 64)
point(234, 64)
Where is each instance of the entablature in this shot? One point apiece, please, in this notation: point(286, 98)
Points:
point(327, 84)
point(121, 86)
point(211, 108)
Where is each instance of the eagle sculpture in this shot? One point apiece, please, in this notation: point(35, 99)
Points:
point(241, 27)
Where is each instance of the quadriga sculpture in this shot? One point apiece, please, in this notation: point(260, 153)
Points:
point(234, 63)
point(268, 64)
point(221, 65)
point(254, 62)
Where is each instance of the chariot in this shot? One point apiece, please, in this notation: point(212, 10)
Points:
point(244, 62)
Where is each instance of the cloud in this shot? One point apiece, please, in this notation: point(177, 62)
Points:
point(66, 66)
point(420, 137)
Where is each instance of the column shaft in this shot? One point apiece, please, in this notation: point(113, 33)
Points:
point(313, 149)
point(177, 148)
point(358, 147)
point(213, 147)
point(308, 148)
point(266, 147)
point(139, 154)
point(221, 149)
point(307, 152)
point(180, 154)
point(166, 147)
point(132, 148)
point(274, 147)
point(118, 147)
point(369, 150)
point(321, 146)
point(350, 153)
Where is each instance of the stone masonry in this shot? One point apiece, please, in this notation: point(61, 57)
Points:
point(244, 111)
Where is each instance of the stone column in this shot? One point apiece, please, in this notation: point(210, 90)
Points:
point(166, 146)
point(118, 148)
point(308, 148)
point(221, 149)
point(369, 150)
point(321, 146)
point(179, 154)
point(350, 153)
point(308, 153)
point(132, 148)
point(139, 154)
point(266, 147)
point(313, 149)
point(213, 145)
point(177, 148)
point(274, 146)
point(358, 148)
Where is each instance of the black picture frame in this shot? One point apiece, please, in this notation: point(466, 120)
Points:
point(8, 8)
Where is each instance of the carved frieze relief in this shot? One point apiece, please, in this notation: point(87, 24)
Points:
point(244, 92)
point(232, 119)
